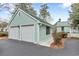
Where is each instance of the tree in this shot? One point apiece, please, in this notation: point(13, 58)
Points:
point(44, 11)
point(74, 15)
point(11, 8)
point(3, 25)
point(27, 7)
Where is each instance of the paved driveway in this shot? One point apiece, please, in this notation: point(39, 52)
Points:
point(19, 48)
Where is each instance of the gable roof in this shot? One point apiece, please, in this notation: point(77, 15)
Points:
point(35, 17)
point(63, 23)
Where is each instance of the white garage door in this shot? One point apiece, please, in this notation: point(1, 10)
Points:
point(14, 32)
point(27, 32)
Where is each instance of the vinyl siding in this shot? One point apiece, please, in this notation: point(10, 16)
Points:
point(66, 29)
point(22, 19)
point(42, 34)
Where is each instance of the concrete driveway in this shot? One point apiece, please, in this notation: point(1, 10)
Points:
point(19, 48)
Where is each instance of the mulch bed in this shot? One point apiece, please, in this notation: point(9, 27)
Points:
point(52, 45)
point(3, 37)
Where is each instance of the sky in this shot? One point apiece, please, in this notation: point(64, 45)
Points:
point(56, 10)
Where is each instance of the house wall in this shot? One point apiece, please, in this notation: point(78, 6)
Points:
point(58, 29)
point(43, 36)
point(66, 29)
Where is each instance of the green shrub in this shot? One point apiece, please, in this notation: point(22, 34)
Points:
point(3, 34)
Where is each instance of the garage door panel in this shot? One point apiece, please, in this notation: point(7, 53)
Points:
point(14, 33)
point(27, 33)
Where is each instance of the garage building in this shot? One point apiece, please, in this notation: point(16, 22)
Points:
point(26, 27)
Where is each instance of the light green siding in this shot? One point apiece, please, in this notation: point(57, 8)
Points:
point(43, 36)
point(21, 19)
point(42, 33)
point(66, 29)
point(63, 26)
point(58, 29)
point(36, 32)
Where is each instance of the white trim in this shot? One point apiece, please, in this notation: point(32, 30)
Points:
point(8, 32)
point(35, 39)
point(16, 12)
point(20, 32)
point(38, 34)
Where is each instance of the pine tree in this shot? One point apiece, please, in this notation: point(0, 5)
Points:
point(44, 14)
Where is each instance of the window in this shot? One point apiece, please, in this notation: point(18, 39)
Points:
point(47, 30)
point(62, 28)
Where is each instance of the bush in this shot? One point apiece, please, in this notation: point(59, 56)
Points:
point(3, 34)
point(58, 37)
point(63, 34)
